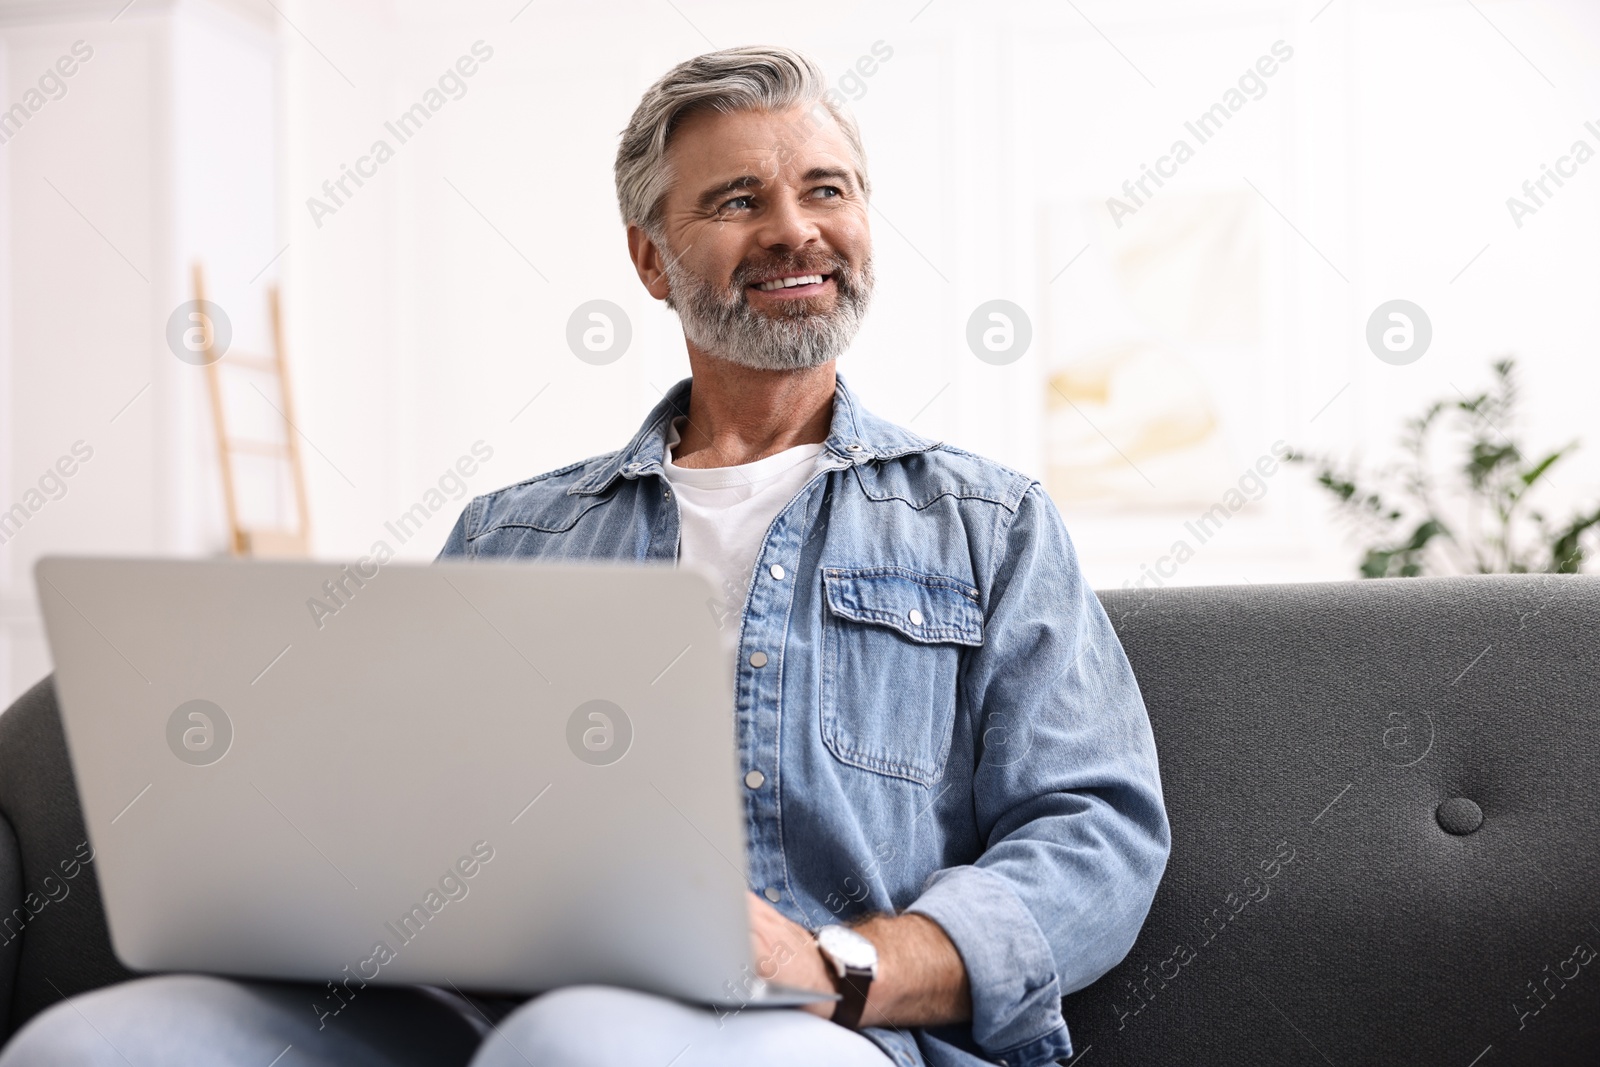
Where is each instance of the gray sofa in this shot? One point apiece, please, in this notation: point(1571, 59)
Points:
point(1385, 806)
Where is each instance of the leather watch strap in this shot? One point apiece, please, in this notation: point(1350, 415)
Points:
point(852, 987)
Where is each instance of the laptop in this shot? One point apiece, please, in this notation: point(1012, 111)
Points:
point(496, 777)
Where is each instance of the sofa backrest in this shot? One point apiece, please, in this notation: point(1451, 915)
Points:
point(1385, 808)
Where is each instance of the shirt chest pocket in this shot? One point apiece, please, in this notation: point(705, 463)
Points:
point(892, 642)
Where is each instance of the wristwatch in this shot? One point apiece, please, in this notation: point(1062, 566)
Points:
point(854, 961)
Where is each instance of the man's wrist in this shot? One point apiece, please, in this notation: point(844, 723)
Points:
point(851, 959)
point(921, 979)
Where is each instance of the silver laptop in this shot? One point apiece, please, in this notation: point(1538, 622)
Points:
point(497, 777)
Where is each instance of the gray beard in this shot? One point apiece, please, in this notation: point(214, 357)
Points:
point(722, 322)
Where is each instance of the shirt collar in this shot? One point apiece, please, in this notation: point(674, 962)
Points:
point(855, 435)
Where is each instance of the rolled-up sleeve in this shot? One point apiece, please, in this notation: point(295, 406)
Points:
point(1066, 793)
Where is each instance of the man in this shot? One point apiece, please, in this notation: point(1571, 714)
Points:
point(951, 794)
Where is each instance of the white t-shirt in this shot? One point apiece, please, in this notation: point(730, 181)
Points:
point(725, 513)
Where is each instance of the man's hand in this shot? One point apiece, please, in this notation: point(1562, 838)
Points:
point(921, 979)
point(787, 954)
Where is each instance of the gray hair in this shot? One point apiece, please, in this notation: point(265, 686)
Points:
point(734, 79)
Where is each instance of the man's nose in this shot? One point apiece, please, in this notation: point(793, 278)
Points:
point(787, 225)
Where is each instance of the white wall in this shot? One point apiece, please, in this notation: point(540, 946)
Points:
point(162, 151)
point(1390, 141)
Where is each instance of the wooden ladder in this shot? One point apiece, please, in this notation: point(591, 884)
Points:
point(292, 541)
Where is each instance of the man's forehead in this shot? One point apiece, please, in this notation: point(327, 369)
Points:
point(717, 145)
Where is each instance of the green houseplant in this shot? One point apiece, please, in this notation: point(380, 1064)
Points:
point(1476, 519)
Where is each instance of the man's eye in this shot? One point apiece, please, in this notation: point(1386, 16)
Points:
point(742, 203)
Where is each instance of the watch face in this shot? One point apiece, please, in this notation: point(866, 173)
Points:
point(848, 948)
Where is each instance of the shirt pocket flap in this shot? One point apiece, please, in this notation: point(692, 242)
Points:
point(929, 609)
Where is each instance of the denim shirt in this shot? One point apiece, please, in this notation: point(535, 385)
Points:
point(945, 720)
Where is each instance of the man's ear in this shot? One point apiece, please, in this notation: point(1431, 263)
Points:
point(647, 260)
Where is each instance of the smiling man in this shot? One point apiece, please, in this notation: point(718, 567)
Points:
point(951, 797)
point(950, 788)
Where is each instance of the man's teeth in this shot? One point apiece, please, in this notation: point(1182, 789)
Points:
point(790, 283)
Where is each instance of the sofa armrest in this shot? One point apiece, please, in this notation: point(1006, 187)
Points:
point(11, 921)
point(58, 942)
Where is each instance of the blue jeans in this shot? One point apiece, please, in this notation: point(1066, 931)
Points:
point(178, 1020)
